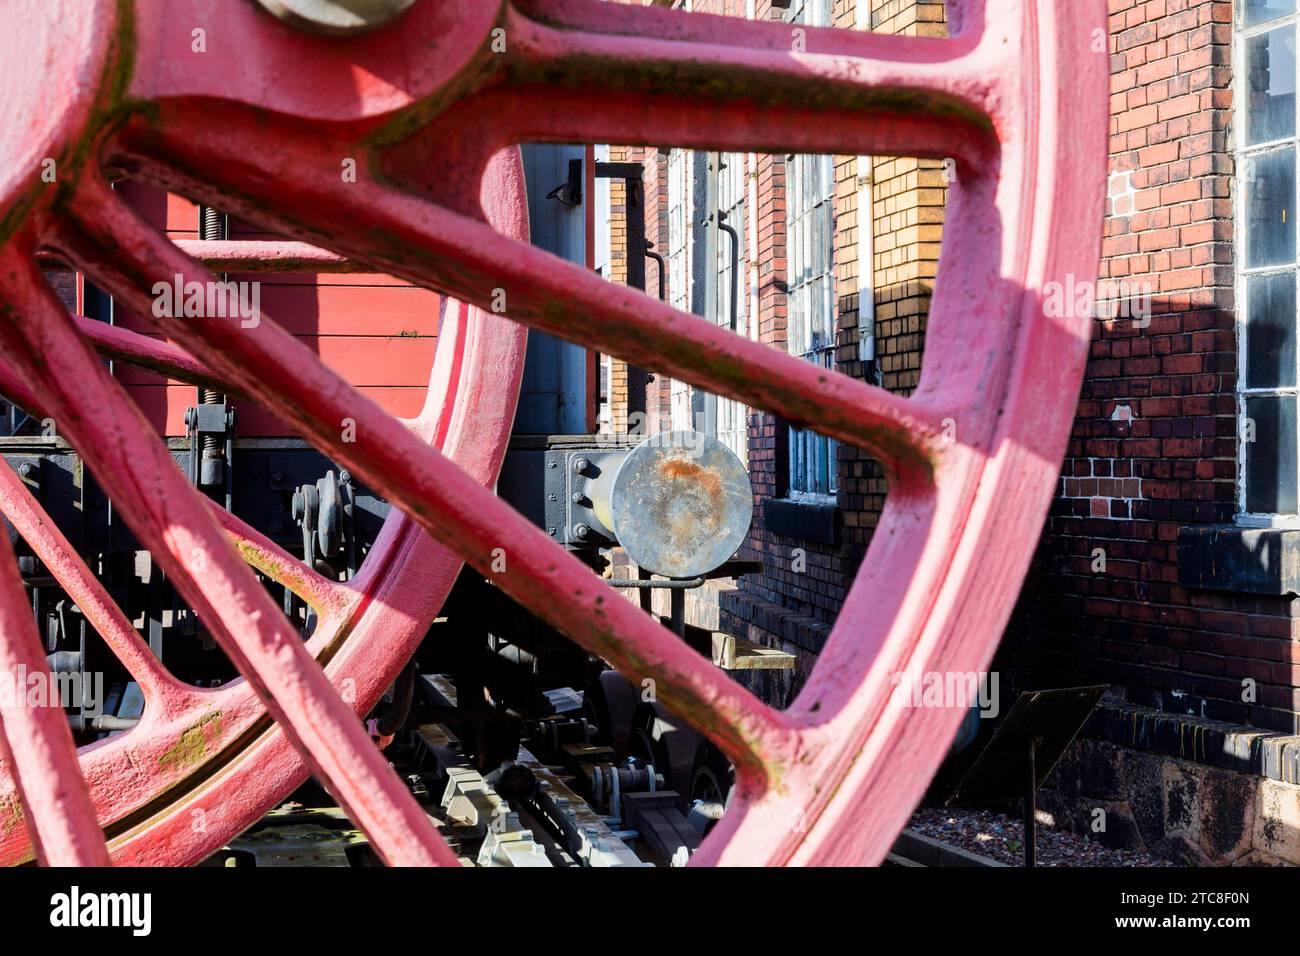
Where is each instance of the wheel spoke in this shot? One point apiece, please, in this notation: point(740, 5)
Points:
point(567, 300)
point(143, 351)
point(248, 255)
point(461, 256)
point(57, 554)
point(324, 595)
point(703, 81)
point(36, 743)
point(698, 81)
point(170, 518)
point(448, 503)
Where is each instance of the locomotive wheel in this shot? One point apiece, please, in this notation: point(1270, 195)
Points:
point(712, 780)
point(205, 764)
point(661, 739)
point(419, 108)
point(609, 703)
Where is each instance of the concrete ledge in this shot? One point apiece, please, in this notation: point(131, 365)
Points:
point(1172, 808)
point(810, 520)
point(927, 851)
point(1226, 557)
point(1264, 753)
point(787, 626)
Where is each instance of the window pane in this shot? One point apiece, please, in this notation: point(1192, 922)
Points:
point(1270, 93)
point(1271, 456)
point(1270, 331)
point(1260, 11)
point(1270, 222)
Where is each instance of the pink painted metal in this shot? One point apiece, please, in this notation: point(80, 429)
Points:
point(1017, 97)
point(368, 628)
point(35, 740)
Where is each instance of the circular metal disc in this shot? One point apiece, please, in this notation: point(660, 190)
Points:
point(336, 17)
point(681, 504)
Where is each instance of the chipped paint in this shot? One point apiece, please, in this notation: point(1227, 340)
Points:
point(11, 814)
point(193, 743)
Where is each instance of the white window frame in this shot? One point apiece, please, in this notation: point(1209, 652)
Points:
point(810, 454)
point(733, 193)
point(1241, 153)
point(866, 219)
point(681, 212)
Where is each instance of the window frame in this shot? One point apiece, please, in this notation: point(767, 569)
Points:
point(811, 454)
point(680, 174)
point(1242, 154)
point(732, 416)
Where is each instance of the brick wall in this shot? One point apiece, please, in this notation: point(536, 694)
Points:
point(1154, 446)
point(617, 385)
point(798, 606)
point(804, 581)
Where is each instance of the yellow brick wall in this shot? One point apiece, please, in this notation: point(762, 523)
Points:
point(618, 273)
point(907, 199)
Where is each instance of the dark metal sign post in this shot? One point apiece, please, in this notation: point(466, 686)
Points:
point(1024, 749)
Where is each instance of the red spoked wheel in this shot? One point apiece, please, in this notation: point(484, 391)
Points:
point(261, 124)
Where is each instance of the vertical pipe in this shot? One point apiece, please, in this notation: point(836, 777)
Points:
point(213, 226)
point(634, 204)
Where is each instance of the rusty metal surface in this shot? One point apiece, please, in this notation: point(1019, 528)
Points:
point(680, 504)
point(1017, 97)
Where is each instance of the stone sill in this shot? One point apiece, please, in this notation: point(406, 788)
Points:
point(807, 520)
point(1264, 753)
point(1228, 557)
point(784, 624)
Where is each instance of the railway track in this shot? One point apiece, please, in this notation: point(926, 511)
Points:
point(568, 810)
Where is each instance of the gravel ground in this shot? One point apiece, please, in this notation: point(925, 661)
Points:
point(1002, 838)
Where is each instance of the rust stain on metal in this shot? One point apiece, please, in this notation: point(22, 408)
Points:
point(11, 815)
point(706, 478)
point(193, 743)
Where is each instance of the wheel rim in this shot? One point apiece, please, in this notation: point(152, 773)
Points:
point(972, 456)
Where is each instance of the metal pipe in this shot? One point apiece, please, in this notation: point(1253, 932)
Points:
point(671, 584)
point(213, 226)
point(651, 254)
point(735, 268)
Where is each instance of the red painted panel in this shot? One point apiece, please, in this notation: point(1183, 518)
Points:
point(377, 332)
point(164, 407)
point(176, 214)
point(335, 309)
point(363, 360)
